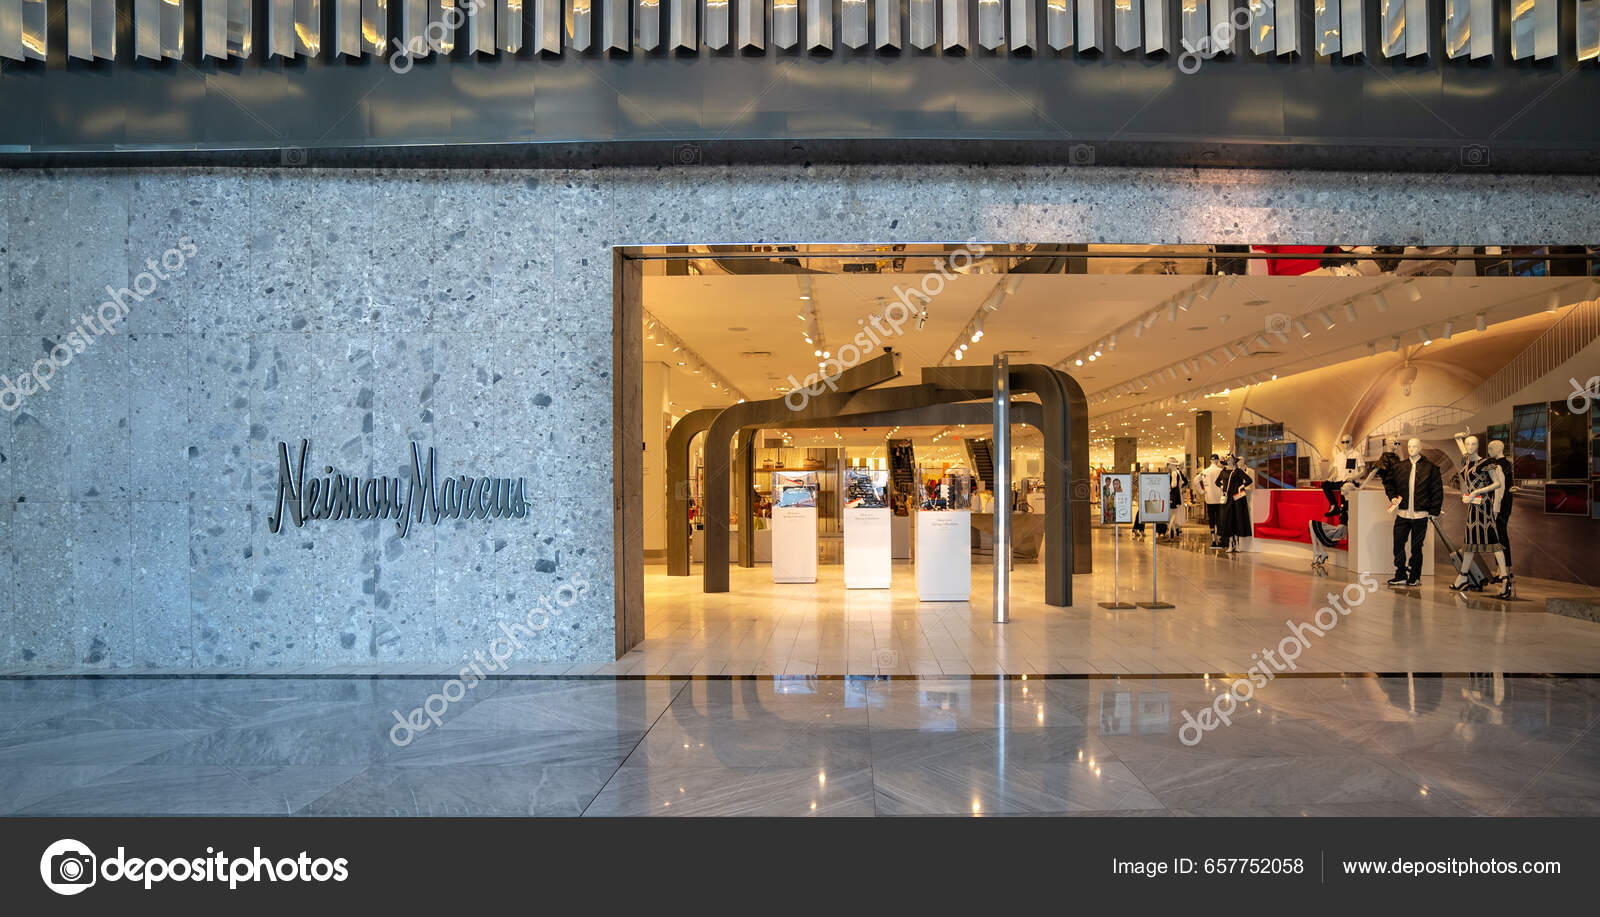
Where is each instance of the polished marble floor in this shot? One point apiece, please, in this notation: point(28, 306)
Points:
point(801, 745)
point(1228, 607)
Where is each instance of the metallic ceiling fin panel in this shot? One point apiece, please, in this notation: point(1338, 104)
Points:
point(887, 14)
point(1545, 29)
point(547, 25)
point(1457, 28)
point(413, 17)
point(819, 25)
point(1325, 26)
point(92, 28)
point(1521, 29)
point(647, 25)
point(854, 30)
point(479, 30)
point(508, 25)
point(11, 30)
point(1392, 26)
point(1058, 24)
point(280, 28)
point(1417, 27)
point(922, 23)
point(1587, 15)
point(683, 31)
point(1287, 34)
point(1481, 29)
point(346, 27)
point(786, 23)
point(1222, 26)
point(1352, 27)
point(1194, 27)
point(1263, 27)
point(308, 27)
point(580, 26)
point(1156, 39)
point(1024, 26)
point(992, 23)
point(147, 29)
point(1091, 26)
point(956, 30)
point(616, 25)
point(241, 27)
point(34, 33)
point(1126, 20)
point(717, 27)
point(752, 25)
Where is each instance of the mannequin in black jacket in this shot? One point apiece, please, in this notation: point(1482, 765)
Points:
point(1416, 491)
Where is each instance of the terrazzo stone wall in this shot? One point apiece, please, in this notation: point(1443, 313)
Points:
point(469, 311)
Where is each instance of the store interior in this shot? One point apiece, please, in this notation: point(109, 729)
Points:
point(1305, 364)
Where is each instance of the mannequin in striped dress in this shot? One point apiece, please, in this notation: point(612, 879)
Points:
point(1483, 488)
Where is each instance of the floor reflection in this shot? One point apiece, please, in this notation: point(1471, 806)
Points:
point(1482, 744)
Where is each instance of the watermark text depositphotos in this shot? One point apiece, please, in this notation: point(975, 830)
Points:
point(480, 664)
point(1269, 663)
point(908, 305)
point(14, 392)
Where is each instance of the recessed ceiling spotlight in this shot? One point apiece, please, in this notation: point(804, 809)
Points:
point(1208, 287)
point(1381, 300)
point(1228, 350)
point(1172, 312)
point(1426, 337)
point(1552, 302)
point(1394, 343)
point(1078, 362)
point(1411, 291)
point(1262, 340)
point(1300, 326)
point(1372, 348)
point(1111, 342)
point(1449, 329)
point(1151, 319)
point(1327, 320)
point(1350, 311)
point(1481, 321)
point(1209, 358)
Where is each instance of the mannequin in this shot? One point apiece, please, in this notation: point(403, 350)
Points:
point(1502, 522)
point(1483, 487)
point(1346, 465)
point(1416, 492)
point(1211, 492)
point(1179, 483)
point(1234, 516)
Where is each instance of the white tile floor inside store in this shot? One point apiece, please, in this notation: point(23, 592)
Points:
point(1228, 607)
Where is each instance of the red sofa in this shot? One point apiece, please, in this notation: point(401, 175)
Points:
point(1290, 514)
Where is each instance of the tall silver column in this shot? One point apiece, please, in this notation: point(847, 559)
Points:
point(1002, 489)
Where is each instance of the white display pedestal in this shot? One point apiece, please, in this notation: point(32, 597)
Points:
point(867, 562)
point(1372, 536)
point(944, 556)
point(794, 544)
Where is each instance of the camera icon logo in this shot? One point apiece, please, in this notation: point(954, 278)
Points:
point(67, 867)
point(1080, 154)
point(1277, 323)
point(1474, 155)
point(685, 154)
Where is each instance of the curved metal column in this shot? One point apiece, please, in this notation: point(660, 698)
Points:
point(678, 441)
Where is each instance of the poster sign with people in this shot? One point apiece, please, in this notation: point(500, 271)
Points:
point(1116, 498)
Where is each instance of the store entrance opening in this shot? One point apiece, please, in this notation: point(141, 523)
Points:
point(806, 465)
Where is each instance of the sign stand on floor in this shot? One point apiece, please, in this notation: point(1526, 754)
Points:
point(1116, 576)
point(1154, 506)
point(1155, 594)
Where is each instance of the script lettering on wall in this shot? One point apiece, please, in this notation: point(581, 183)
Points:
point(422, 497)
